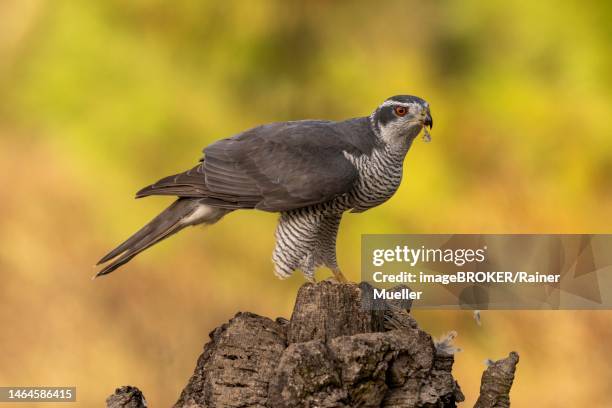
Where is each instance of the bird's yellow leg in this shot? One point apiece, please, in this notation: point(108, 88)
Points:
point(338, 275)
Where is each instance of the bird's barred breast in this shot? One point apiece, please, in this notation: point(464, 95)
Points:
point(379, 178)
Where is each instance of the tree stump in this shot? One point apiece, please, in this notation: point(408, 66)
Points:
point(338, 350)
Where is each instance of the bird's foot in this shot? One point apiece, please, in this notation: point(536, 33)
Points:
point(339, 276)
point(310, 278)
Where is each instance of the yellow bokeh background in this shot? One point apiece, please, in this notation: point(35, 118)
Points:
point(99, 98)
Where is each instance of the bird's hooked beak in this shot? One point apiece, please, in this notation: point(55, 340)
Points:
point(427, 119)
point(427, 123)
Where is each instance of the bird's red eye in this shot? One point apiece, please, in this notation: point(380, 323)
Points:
point(400, 110)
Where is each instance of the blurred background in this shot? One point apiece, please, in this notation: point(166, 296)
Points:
point(100, 98)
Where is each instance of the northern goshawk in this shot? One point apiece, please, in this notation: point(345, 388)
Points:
point(310, 171)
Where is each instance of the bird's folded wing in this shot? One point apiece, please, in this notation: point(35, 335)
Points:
point(274, 167)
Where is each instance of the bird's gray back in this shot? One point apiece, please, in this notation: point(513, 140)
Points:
point(288, 165)
point(353, 135)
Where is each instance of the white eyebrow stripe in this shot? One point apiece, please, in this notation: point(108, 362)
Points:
point(395, 103)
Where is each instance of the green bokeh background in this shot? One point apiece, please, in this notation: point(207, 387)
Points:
point(99, 98)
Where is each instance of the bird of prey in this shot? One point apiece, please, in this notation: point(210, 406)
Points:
point(309, 171)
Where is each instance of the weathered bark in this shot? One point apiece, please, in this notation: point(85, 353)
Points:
point(237, 364)
point(327, 310)
point(339, 349)
point(126, 397)
point(496, 383)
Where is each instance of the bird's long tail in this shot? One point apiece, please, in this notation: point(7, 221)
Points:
point(180, 214)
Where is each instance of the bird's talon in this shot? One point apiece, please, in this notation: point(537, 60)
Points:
point(339, 277)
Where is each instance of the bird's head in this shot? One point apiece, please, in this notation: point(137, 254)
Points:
point(399, 119)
